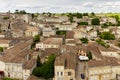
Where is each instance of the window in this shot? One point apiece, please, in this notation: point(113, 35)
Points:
point(57, 73)
point(69, 73)
point(61, 73)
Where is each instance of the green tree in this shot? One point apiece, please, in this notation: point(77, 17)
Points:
point(102, 43)
point(117, 18)
point(82, 23)
point(85, 14)
point(107, 46)
point(89, 55)
point(84, 40)
point(71, 18)
point(38, 61)
point(43, 13)
point(36, 38)
point(46, 70)
point(105, 25)
point(0, 30)
point(9, 79)
point(111, 24)
point(32, 16)
point(6, 18)
point(49, 14)
point(1, 49)
point(93, 14)
point(79, 15)
point(118, 23)
point(98, 32)
point(95, 21)
point(107, 36)
point(20, 12)
point(17, 11)
point(37, 72)
point(118, 44)
point(33, 45)
point(61, 32)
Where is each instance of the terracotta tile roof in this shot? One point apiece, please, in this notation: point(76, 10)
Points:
point(59, 61)
point(51, 41)
point(71, 41)
point(24, 39)
point(21, 57)
point(50, 51)
point(108, 49)
point(31, 28)
point(107, 61)
point(95, 50)
point(5, 41)
point(113, 61)
point(69, 34)
point(4, 22)
point(68, 60)
point(3, 33)
point(17, 25)
point(30, 64)
point(50, 23)
point(16, 53)
point(56, 36)
point(98, 63)
point(71, 49)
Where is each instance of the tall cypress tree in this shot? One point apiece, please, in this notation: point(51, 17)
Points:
point(38, 61)
point(89, 55)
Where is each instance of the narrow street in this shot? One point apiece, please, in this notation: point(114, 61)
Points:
point(80, 70)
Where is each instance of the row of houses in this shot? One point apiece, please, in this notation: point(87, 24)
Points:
point(49, 26)
point(103, 66)
point(18, 61)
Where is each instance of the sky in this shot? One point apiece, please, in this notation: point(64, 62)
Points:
point(61, 6)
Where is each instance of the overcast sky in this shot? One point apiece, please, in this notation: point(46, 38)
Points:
point(60, 6)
